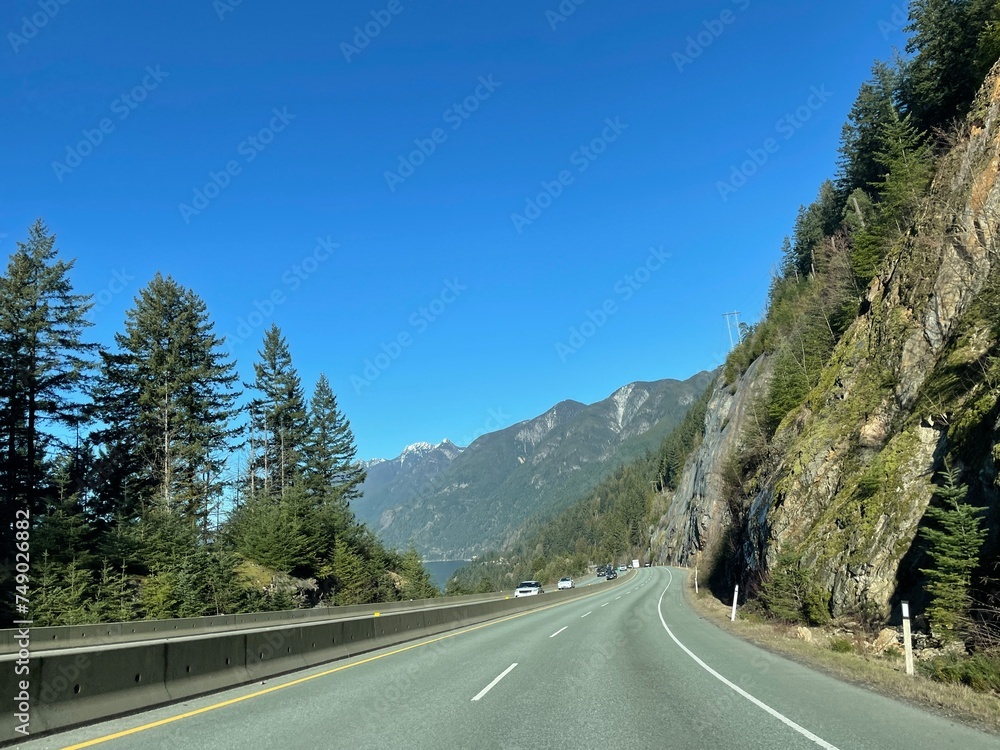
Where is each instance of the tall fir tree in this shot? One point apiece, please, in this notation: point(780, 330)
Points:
point(907, 163)
point(332, 472)
point(278, 419)
point(44, 365)
point(166, 399)
point(907, 167)
point(861, 138)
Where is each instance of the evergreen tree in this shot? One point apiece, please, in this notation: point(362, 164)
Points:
point(114, 598)
point(167, 398)
point(988, 45)
point(354, 582)
point(278, 419)
point(954, 542)
point(789, 594)
point(331, 471)
point(416, 580)
point(44, 362)
point(120, 482)
point(64, 534)
point(805, 254)
point(861, 138)
point(283, 534)
point(61, 593)
point(948, 63)
point(907, 165)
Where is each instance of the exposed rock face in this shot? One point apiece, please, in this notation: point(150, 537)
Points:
point(694, 522)
point(851, 471)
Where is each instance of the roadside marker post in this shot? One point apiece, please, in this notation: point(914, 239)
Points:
point(907, 639)
point(736, 596)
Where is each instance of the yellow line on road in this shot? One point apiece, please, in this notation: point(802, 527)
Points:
point(231, 701)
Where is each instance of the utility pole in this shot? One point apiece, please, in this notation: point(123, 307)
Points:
point(732, 320)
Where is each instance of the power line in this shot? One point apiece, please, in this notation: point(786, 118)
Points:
point(730, 317)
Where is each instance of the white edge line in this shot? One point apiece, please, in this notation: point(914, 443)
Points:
point(558, 631)
point(736, 688)
point(496, 679)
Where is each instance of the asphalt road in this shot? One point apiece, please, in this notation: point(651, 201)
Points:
point(630, 666)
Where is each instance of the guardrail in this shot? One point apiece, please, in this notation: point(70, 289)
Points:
point(71, 685)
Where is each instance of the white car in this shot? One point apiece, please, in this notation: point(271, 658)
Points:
point(565, 583)
point(528, 588)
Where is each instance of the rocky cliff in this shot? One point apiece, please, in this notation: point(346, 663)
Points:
point(696, 520)
point(842, 484)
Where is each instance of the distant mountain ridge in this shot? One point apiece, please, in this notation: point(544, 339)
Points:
point(453, 502)
point(392, 482)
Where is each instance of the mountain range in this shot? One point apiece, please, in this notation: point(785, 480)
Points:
point(453, 503)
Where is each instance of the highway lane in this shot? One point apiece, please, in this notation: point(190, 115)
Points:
point(603, 671)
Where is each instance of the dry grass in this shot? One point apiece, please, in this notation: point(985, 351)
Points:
point(883, 675)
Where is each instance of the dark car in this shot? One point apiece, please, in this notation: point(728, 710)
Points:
point(612, 574)
point(601, 571)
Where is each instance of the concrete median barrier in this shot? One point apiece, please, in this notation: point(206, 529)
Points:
point(83, 636)
point(326, 641)
point(71, 686)
point(196, 666)
point(275, 651)
point(76, 687)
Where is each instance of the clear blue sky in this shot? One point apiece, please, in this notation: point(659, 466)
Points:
point(633, 140)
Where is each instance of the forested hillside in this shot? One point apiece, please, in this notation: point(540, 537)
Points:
point(145, 481)
point(851, 447)
point(613, 522)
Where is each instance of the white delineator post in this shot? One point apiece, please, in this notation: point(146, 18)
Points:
point(736, 596)
point(907, 640)
point(696, 580)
